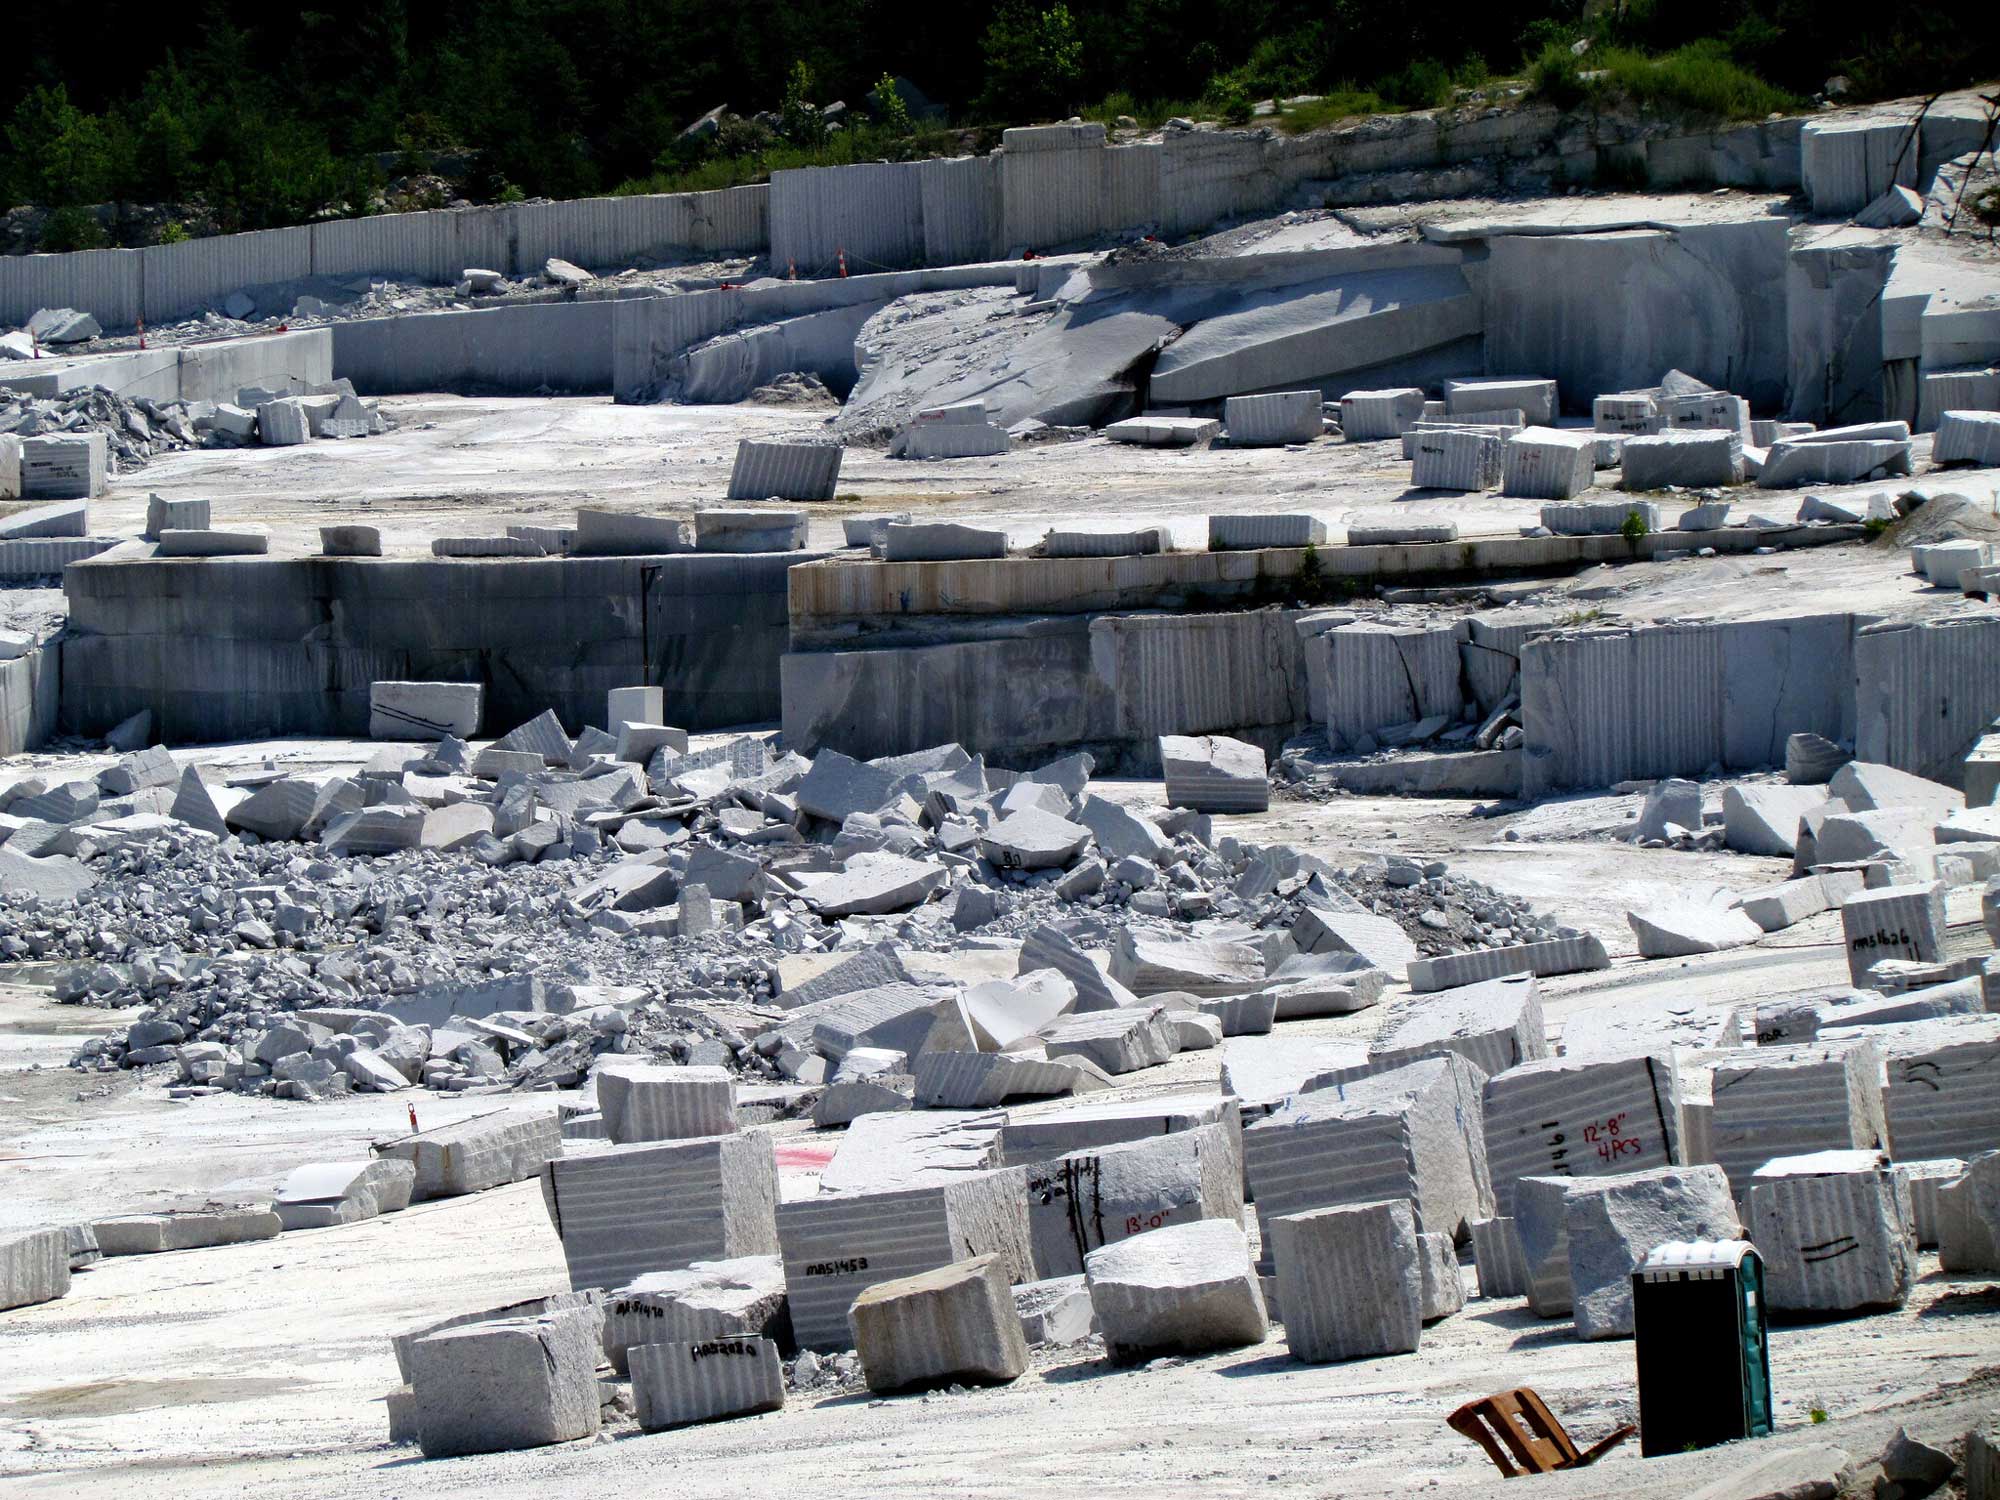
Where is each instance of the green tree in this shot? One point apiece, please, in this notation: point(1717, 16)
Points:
point(1034, 60)
point(61, 155)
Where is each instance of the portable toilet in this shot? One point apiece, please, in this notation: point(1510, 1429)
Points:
point(1698, 1324)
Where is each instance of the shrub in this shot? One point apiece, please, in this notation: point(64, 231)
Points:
point(173, 232)
point(73, 228)
point(891, 113)
point(1557, 77)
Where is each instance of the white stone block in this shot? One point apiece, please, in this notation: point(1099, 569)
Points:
point(1582, 1117)
point(1088, 1199)
point(34, 1268)
point(1536, 398)
point(1694, 459)
point(1898, 921)
point(1779, 1101)
point(625, 1212)
point(491, 1387)
point(1369, 416)
point(1188, 1288)
point(1613, 1223)
point(955, 1323)
point(1247, 533)
point(680, 1383)
point(1548, 463)
point(649, 1102)
point(1968, 1209)
point(1456, 459)
point(1273, 420)
point(1350, 1281)
point(1833, 1241)
point(1214, 773)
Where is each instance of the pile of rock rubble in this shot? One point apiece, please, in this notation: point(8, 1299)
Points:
point(450, 915)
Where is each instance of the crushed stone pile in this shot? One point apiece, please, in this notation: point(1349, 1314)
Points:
point(500, 918)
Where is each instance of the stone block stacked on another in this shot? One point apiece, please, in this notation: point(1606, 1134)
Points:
point(1533, 396)
point(403, 1344)
point(1495, 1024)
point(743, 1297)
point(1118, 1041)
point(1088, 1199)
point(1214, 773)
point(491, 1387)
point(680, 1383)
point(630, 1210)
point(837, 1245)
point(1834, 1232)
point(1350, 1281)
point(163, 514)
point(1185, 1289)
point(34, 1268)
point(954, 1323)
point(1613, 1223)
point(1028, 1140)
point(1792, 1100)
point(652, 1102)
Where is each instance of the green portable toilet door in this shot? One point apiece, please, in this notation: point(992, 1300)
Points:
point(1756, 1350)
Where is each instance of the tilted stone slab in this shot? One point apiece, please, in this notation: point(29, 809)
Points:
point(954, 1323)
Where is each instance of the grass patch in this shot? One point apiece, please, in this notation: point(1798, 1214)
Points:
point(842, 149)
point(1700, 79)
point(1346, 104)
point(1150, 113)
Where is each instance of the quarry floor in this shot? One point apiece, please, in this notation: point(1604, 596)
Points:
point(212, 1371)
point(459, 465)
